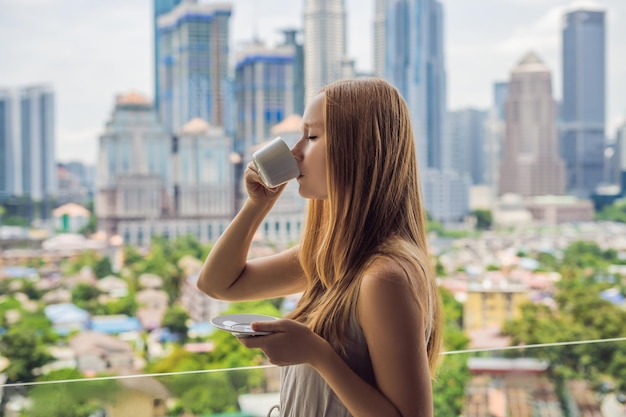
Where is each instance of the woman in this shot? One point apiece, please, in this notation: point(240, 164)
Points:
point(365, 336)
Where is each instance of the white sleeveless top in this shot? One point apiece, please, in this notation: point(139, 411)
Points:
point(304, 393)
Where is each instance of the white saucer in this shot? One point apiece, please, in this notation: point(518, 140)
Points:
point(239, 324)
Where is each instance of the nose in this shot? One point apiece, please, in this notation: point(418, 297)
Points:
point(297, 150)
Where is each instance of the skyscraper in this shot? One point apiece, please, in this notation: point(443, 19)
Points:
point(466, 131)
point(193, 66)
point(584, 98)
point(159, 7)
point(530, 163)
point(378, 32)
point(291, 38)
point(324, 44)
point(415, 64)
point(264, 79)
point(28, 177)
point(9, 175)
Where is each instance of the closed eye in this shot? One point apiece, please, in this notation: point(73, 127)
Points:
point(311, 137)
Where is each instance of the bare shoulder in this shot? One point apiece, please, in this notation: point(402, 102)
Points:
point(387, 283)
point(386, 271)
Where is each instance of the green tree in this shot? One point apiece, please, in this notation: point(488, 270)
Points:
point(102, 267)
point(452, 374)
point(175, 319)
point(615, 212)
point(86, 296)
point(25, 351)
point(484, 219)
point(71, 399)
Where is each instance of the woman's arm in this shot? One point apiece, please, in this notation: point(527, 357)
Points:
point(228, 275)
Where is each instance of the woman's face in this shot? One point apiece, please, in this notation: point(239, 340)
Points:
point(310, 151)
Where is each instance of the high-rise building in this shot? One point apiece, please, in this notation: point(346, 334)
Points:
point(159, 7)
point(9, 175)
point(530, 163)
point(494, 135)
point(466, 131)
point(378, 34)
point(133, 169)
point(324, 44)
point(193, 64)
point(584, 100)
point(414, 63)
point(264, 80)
point(620, 147)
point(152, 183)
point(291, 38)
point(28, 177)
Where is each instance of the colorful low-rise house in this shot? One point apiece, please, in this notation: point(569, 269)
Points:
point(71, 218)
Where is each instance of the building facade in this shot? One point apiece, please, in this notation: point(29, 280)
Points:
point(159, 8)
point(264, 80)
point(583, 111)
point(467, 138)
point(28, 177)
point(530, 161)
point(324, 44)
point(193, 64)
point(151, 183)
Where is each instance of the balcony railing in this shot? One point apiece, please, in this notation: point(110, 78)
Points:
point(576, 378)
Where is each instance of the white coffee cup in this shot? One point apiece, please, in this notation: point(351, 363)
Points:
point(275, 163)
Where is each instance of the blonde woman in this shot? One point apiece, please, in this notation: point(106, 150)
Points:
point(365, 336)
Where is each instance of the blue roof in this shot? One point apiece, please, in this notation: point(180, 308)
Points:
point(111, 325)
point(19, 272)
point(204, 328)
point(612, 295)
point(65, 313)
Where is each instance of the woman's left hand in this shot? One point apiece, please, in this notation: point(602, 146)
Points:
point(290, 343)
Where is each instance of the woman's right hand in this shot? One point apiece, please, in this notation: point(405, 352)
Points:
point(257, 191)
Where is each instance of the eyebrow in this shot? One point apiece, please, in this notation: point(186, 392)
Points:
point(314, 124)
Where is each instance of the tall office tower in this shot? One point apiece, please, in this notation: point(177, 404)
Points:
point(584, 97)
point(530, 163)
point(494, 135)
point(193, 66)
point(159, 7)
point(466, 131)
point(298, 70)
point(324, 44)
point(620, 142)
point(133, 169)
point(10, 176)
point(378, 32)
point(500, 94)
point(414, 63)
point(28, 181)
point(264, 79)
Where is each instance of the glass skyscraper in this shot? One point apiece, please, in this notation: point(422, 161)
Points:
point(324, 44)
point(193, 64)
point(264, 79)
point(584, 97)
point(27, 151)
point(415, 64)
point(159, 7)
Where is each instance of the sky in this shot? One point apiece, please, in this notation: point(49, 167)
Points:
point(91, 51)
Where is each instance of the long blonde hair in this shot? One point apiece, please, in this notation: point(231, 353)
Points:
point(374, 208)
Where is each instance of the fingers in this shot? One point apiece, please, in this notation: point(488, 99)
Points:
point(267, 326)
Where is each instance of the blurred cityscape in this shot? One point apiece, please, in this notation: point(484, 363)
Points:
point(526, 202)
